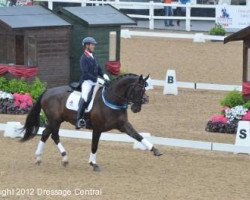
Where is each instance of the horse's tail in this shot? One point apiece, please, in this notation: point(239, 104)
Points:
point(32, 122)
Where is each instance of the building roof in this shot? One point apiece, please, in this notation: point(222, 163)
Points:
point(240, 35)
point(100, 15)
point(19, 17)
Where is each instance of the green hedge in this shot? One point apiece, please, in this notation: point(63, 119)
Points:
point(217, 30)
point(35, 88)
point(233, 99)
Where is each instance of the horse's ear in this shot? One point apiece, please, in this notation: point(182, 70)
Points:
point(145, 79)
point(140, 78)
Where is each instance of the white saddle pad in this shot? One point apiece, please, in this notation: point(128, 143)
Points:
point(74, 98)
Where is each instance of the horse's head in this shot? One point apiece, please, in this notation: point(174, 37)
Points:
point(136, 94)
point(127, 89)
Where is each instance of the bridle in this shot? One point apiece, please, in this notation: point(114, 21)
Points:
point(128, 97)
point(130, 92)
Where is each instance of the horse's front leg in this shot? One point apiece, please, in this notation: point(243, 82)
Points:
point(94, 146)
point(129, 129)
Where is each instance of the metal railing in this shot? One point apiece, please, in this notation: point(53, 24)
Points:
point(151, 6)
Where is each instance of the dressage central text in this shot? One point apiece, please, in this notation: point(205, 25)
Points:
point(49, 192)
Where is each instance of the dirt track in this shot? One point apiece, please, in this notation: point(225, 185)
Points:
point(210, 62)
point(126, 173)
point(133, 174)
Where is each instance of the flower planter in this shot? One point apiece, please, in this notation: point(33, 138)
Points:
point(14, 104)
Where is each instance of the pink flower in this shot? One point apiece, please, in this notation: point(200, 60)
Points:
point(22, 101)
point(27, 98)
point(23, 105)
point(219, 119)
point(16, 99)
point(246, 117)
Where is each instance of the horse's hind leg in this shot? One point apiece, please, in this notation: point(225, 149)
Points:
point(94, 146)
point(129, 129)
point(56, 138)
point(41, 144)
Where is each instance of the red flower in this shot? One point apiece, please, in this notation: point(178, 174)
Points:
point(246, 117)
point(219, 119)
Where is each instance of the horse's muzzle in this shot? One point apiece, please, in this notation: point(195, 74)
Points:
point(136, 108)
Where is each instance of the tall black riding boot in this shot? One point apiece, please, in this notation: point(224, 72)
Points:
point(80, 122)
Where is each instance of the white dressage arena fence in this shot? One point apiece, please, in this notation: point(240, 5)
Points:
point(200, 86)
point(210, 146)
point(196, 37)
point(150, 6)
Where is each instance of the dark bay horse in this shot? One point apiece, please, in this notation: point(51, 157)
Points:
point(109, 112)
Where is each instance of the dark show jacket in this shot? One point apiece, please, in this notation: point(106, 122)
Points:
point(89, 68)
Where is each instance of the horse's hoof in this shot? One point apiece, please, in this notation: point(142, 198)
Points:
point(38, 162)
point(96, 167)
point(65, 163)
point(156, 152)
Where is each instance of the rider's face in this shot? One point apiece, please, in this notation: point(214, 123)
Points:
point(91, 48)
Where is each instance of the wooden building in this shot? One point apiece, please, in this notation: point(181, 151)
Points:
point(34, 36)
point(243, 35)
point(101, 22)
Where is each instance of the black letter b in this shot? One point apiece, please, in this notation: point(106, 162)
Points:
point(170, 79)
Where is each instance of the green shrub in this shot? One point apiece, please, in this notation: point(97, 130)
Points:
point(43, 119)
point(37, 88)
point(247, 105)
point(3, 84)
point(232, 99)
point(217, 30)
point(17, 86)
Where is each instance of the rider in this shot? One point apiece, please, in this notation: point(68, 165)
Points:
point(90, 70)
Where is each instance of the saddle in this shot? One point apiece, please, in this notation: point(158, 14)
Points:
point(75, 86)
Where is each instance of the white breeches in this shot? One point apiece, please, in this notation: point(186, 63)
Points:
point(86, 87)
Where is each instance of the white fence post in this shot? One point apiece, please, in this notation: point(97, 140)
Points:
point(50, 4)
point(188, 15)
point(84, 3)
point(117, 4)
point(151, 15)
